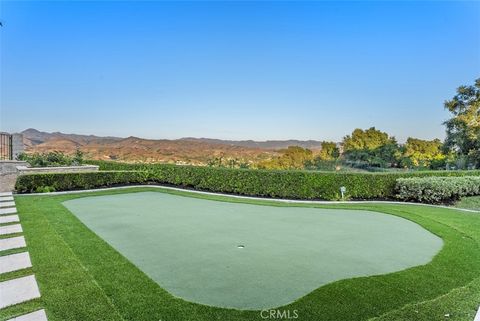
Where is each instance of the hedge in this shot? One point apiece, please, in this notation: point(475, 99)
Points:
point(437, 189)
point(72, 181)
point(266, 183)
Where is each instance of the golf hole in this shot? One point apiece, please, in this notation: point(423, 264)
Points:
point(241, 246)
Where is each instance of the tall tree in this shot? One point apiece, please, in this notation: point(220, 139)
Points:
point(463, 129)
point(368, 139)
point(419, 152)
point(329, 151)
point(371, 147)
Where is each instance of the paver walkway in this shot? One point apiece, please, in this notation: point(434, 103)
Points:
point(14, 262)
point(10, 229)
point(34, 316)
point(7, 204)
point(7, 182)
point(19, 289)
point(8, 210)
point(9, 219)
point(12, 243)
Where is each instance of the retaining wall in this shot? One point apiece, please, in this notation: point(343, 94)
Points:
point(60, 169)
point(10, 166)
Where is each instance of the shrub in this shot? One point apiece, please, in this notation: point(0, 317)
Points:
point(266, 183)
point(437, 189)
point(52, 159)
point(71, 181)
point(45, 189)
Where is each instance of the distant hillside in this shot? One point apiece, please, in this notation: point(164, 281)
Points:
point(269, 144)
point(135, 149)
point(34, 137)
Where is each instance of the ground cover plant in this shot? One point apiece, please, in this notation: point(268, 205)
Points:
point(81, 277)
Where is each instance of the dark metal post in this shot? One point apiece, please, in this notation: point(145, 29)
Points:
point(10, 147)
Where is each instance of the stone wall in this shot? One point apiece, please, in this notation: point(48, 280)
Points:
point(9, 171)
point(10, 166)
point(60, 169)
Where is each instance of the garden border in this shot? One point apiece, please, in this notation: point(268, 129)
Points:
point(282, 200)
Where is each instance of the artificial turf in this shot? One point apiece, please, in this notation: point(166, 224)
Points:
point(470, 203)
point(189, 246)
point(81, 277)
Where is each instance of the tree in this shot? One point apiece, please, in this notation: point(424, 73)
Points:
point(371, 147)
point(228, 162)
point(78, 157)
point(368, 139)
point(294, 157)
point(418, 152)
point(387, 155)
point(463, 129)
point(329, 151)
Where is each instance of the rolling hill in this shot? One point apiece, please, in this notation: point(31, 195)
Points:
point(188, 150)
point(135, 149)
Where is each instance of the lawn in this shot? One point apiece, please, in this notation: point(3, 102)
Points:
point(81, 277)
point(470, 203)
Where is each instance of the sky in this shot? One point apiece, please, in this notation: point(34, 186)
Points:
point(235, 70)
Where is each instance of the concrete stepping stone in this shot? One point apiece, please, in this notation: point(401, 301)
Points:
point(18, 290)
point(6, 198)
point(14, 262)
point(6, 194)
point(12, 243)
point(10, 229)
point(7, 204)
point(39, 315)
point(8, 210)
point(9, 219)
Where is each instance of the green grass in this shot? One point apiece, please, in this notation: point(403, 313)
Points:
point(189, 245)
point(81, 277)
point(470, 203)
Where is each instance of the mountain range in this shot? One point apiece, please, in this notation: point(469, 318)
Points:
point(188, 150)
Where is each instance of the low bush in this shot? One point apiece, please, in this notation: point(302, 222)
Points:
point(437, 189)
point(50, 182)
point(264, 183)
point(120, 166)
point(45, 189)
point(51, 159)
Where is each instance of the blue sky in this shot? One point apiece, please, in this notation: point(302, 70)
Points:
point(235, 70)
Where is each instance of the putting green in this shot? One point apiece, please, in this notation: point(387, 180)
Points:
point(190, 246)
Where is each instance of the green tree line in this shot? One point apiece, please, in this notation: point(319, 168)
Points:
point(373, 149)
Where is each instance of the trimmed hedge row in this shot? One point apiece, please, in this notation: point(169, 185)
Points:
point(73, 181)
point(267, 183)
point(437, 189)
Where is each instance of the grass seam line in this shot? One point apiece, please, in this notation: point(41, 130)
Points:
point(81, 265)
point(425, 301)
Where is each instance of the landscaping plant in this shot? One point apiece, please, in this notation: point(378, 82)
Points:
point(437, 189)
